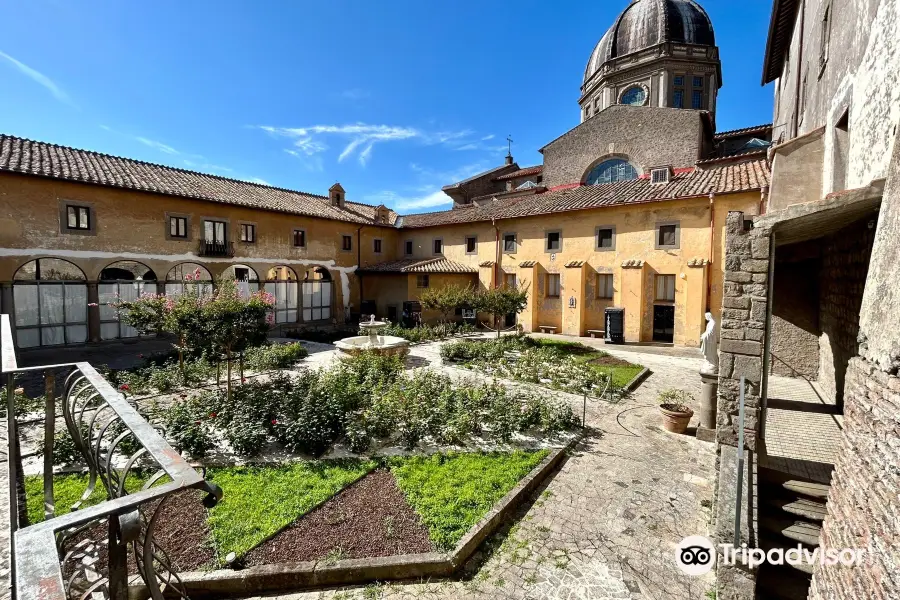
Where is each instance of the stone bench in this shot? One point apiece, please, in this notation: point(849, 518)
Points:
point(595, 333)
point(547, 329)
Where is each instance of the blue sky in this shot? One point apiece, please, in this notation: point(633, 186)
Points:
point(393, 99)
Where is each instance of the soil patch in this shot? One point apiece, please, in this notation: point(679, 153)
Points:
point(609, 361)
point(367, 519)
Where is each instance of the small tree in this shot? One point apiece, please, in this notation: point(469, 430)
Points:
point(501, 301)
point(446, 299)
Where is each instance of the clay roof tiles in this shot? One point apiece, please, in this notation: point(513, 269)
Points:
point(718, 179)
point(418, 265)
point(19, 155)
point(525, 172)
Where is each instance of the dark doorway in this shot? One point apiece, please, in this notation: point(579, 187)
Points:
point(663, 323)
point(509, 320)
point(392, 314)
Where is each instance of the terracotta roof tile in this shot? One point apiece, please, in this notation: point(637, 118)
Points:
point(527, 264)
point(721, 178)
point(574, 264)
point(19, 155)
point(521, 173)
point(417, 265)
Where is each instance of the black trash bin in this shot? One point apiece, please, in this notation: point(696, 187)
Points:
point(615, 325)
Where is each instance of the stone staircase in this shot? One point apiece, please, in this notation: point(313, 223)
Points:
point(791, 511)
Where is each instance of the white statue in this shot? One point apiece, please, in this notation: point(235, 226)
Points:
point(709, 342)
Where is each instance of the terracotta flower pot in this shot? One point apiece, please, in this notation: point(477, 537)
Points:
point(675, 418)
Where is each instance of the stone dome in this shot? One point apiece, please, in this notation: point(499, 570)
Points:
point(646, 23)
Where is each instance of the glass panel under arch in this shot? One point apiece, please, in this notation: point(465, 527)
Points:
point(610, 171)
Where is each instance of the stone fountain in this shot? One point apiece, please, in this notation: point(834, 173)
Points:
point(382, 344)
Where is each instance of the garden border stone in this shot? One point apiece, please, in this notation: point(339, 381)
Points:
point(636, 381)
point(224, 583)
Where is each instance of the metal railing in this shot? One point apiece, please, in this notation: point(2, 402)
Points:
point(84, 553)
point(223, 249)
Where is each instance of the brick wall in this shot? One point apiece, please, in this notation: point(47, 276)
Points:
point(862, 505)
point(845, 263)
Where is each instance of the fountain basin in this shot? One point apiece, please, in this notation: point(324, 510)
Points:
point(387, 345)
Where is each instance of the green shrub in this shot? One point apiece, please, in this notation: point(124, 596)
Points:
point(64, 450)
point(426, 333)
point(275, 356)
point(186, 429)
point(246, 437)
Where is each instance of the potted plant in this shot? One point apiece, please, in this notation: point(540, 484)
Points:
point(673, 404)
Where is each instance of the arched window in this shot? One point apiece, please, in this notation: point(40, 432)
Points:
point(317, 287)
point(122, 280)
point(50, 297)
point(635, 96)
point(281, 282)
point(186, 276)
point(245, 277)
point(610, 171)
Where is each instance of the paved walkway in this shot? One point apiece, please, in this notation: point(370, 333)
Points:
point(606, 524)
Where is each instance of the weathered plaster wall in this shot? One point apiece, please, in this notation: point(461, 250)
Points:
point(643, 134)
point(862, 73)
point(634, 241)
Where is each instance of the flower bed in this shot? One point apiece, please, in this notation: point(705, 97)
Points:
point(567, 366)
point(264, 508)
point(427, 333)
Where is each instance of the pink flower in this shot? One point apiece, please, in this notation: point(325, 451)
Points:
point(124, 387)
point(212, 415)
point(274, 421)
point(188, 277)
point(243, 380)
point(93, 304)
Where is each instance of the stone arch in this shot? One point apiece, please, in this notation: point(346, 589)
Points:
point(316, 273)
point(241, 272)
point(185, 274)
point(609, 158)
point(127, 270)
point(50, 303)
point(281, 273)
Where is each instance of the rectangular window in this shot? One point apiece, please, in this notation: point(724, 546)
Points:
point(553, 287)
point(299, 238)
point(826, 39)
point(346, 243)
point(698, 82)
point(678, 100)
point(421, 281)
point(679, 80)
point(471, 244)
point(408, 248)
point(509, 242)
point(697, 100)
point(376, 246)
point(606, 238)
point(509, 280)
point(604, 286)
point(438, 246)
point(667, 235)
point(178, 227)
point(554, 241)
point(78, 217)
point(214, 232)
point(665, 288)
point(248, 233)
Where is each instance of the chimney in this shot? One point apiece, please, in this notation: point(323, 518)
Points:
point(336, 195)
point(509, 159)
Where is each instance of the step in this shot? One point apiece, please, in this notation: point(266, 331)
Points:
point(807, 488)
point(781, 583)
point(799, 531)
point(808, 508)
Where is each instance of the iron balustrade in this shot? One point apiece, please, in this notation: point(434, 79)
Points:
point(77, 555)
point(221, 249)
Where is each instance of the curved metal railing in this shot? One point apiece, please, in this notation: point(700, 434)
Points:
point(85, 552)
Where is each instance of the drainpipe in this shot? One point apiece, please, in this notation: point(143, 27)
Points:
point(497, 254)
point(359, 266)
point(712, 242)
point(799, 78)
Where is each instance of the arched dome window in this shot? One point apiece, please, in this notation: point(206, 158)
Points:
point(635, 96)
point(610, 171)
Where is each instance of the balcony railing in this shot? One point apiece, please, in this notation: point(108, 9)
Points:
point(222, 249)
point(84, 553)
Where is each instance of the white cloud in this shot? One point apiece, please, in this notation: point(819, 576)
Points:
point(39, 78)
point(487, 137)
point(362, 137)
point(435, 199)
point(157, 145)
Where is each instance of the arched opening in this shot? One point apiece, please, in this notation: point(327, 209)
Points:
point(245, 277)
point(281, 282)
point(123, 280)
point(317, 288)
point(50, 297)
point(188, 276)
point(611, 171)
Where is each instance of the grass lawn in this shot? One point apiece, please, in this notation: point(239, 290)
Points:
point(622, 372)
point(451, 492)
point(259, 501)
point(68, 489)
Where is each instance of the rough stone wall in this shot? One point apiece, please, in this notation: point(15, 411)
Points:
point(863, 504)
point(845, 262)
point(744, 307)
point(794, 329)
point(643, 134)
